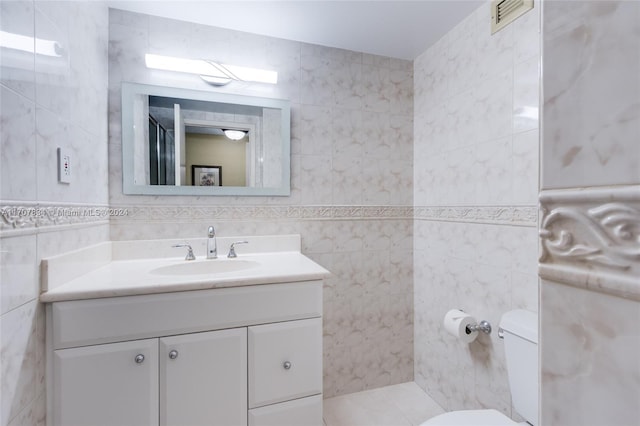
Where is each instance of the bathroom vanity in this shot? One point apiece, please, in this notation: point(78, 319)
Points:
point(171, 345)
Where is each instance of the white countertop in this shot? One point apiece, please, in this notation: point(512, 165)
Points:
point(135, 277)
point(115, 269)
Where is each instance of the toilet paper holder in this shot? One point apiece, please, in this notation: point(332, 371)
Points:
point(482, 326)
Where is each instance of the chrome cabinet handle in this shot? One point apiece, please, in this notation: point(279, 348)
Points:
point(287, 365)
point(139, 359)
point(173, 354)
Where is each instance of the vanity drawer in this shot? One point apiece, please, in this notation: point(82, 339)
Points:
point(95, 321)
point(299, 412)
point(285, 361)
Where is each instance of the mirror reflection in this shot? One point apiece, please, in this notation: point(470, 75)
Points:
point(178, 141)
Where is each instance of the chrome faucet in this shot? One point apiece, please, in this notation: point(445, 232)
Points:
point(212, 245)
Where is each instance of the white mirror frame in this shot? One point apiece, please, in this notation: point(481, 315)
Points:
point(129, 92)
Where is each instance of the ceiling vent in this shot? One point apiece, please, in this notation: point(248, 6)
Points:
point(503, 12)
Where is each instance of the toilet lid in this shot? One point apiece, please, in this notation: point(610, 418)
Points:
point(470, 418)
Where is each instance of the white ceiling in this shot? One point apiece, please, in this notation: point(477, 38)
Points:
point(399, 29)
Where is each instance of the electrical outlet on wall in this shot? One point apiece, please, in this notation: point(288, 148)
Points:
point(64, 166)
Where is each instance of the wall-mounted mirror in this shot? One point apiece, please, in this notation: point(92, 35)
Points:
point(188, 142)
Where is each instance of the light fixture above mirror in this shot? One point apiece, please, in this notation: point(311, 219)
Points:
point(235, 135)
point(212, 72)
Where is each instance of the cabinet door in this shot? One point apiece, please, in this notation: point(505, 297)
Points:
point(112, 384)
point(203, 378)
point(285, 361)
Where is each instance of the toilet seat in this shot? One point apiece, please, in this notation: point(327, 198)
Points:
point(470, 418)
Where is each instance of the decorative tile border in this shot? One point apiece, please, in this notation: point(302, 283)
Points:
point(524, 215)
point(21, 217)
point(499, 215)
point(28, 217)
point(198, 213)
point(591, 238)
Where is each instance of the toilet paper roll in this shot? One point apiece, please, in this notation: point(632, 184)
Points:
point(456, 322)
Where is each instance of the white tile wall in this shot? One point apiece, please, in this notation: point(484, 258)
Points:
point(591, 105)
point(46, 102)
point(590, 139)
point(352, 121)
point(352, 143)
point(476, 145)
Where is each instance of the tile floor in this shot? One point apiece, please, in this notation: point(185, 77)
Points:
point(398, 405)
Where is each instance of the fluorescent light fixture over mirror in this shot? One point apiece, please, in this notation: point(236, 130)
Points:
point(234, 135)
point(30, 44)
point(211, 72)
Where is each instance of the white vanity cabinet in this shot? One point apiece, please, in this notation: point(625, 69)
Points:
point(247, 355)
point(202, 380)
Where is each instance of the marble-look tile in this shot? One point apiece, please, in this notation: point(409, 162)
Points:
point(450, 271)
point(496, 50)
point(493, 106)
point(53, 243)
point(316, 174)
point(524, 291)
point(18, 362)
point(588, 357)
point(54, 77)
point(347, 83)
point(462, 120)
point(376, 88)
point(127, 45)
point(401, 136)
point(492, 170)
point(526, 94)
point(525, 182)
point(463, 60)
point(347, 133)
point(18, 143)
point(34, 414)
point(401, 92)
point(316, 130)
point(376, 135)
point(89, 67)
point(431, 132)
point(348, 182)
point(316, 83)
point(526, 35)
point(89, 169)
point(431, 84)
point(18, 272)
point(591, 94)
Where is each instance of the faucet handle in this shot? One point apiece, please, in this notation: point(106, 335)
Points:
point(190, 255)
point(211, 232)
point(232, 249)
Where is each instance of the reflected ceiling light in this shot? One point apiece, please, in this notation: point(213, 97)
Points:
point(211, 72)
point(30, 44)
point(235, 135)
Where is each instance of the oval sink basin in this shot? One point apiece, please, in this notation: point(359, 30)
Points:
point(205, 267)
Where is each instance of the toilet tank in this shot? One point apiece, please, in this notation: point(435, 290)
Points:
point(520, 332)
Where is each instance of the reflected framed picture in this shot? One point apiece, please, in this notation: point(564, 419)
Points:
point(206, 175)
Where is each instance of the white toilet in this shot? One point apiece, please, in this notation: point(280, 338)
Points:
point(520, 331)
